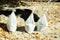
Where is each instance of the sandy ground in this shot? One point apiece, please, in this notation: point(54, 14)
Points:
point(52, 32)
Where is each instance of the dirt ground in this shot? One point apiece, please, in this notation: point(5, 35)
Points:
point(52, 32)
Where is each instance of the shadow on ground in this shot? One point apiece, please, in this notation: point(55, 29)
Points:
point(4, 27)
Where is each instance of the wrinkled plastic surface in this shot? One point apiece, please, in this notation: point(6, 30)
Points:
point(12, 22)
point(42, 23)
point(30, 25)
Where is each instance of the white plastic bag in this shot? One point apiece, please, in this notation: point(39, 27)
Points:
point(42, 23)
point(12, 22)
point(30, 25)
